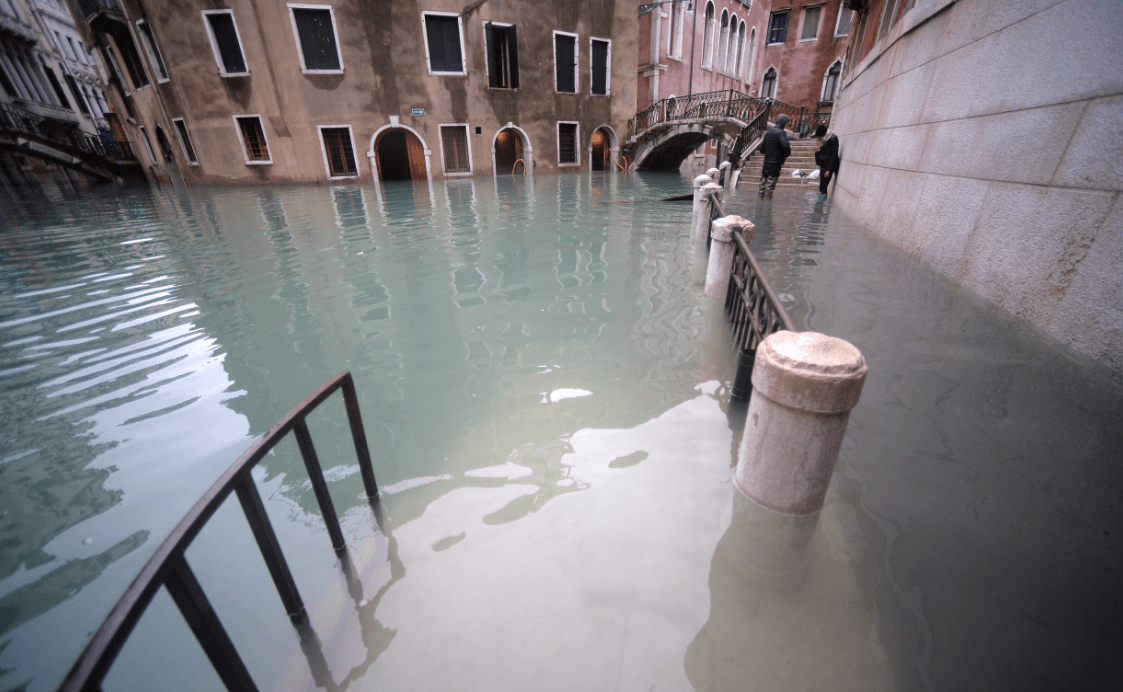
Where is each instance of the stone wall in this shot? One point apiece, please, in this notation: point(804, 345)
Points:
point(986, 138)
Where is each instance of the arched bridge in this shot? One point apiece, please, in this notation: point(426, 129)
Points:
point(662, 135)
point(22, 132)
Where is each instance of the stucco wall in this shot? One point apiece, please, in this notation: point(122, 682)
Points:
point(986, 138)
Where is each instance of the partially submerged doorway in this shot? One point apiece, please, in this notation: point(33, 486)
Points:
point(601, 159)
point(401, 156)
point(509, 151)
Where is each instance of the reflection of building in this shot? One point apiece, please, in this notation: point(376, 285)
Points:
point(271, 92)
point(792, 52)
point(47, 77)
point(984, 138)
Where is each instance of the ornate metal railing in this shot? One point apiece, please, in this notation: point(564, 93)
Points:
point(799, 122)
point(19, 121)
point(728, 103)
point(821, 118)
point(168, 566)
point(749, 134)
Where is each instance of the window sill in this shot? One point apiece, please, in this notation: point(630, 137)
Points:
point(192, 163)
point(568, 165)
point(491, 88)
point(224, 75)
point(259, 163)
point(458, 174)
point(435, 73)
point(671, 57)
point(163, 81)
point(566, 93)
point(304, 71)
point(344, 177)
point(602, 95)
point(808, 40)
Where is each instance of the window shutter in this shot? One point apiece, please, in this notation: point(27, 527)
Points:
point(564, 47)
point(436, 44)
point(513, 52)
point(493, 66)
point(600, 67)
point(452, 45)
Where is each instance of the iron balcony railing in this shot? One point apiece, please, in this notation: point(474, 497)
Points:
point(168, 566)
point(19, 121)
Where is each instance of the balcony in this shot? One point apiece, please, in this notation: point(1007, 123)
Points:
point(11, 26)
point(103, 15)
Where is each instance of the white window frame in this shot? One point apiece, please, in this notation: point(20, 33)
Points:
point(296, 35)
point(607, 67)
point(837, 84)
point(838, 21)
point(731, 52)
point(468, 141)
point(721, 53)
point(147, 144)
point(674, 39)
point(242, 141)
point(460, 32)
point(576, 62)
point(803, 19)
point(708, 24)
point(214, 43)
point(487, 68)
point(324, 151)
point(576, 142)
point(151, 50)
point(183, 145)
point(787, 27)
point(750, 58)
point(775, 89)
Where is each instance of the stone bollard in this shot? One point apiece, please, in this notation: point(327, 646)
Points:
point(736, 179)
point(721, 252)
point(696, 215)
point(804, 386)
point(726, 174)
point(715, 173)
point(702, 229)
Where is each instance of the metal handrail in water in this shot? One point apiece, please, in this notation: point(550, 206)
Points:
point(168, 566)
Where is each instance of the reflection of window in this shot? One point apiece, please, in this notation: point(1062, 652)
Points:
point(830, 83)
point(185, 140)
point(810, 23)
point(565, 61)
point(768, 84)
point(254, 145)
point(454, 146)
point(567, 143)
point(225, 42)
point(778, 27)
point(339, 152)
point(602, 55)
point(845, 16)
point(442, 43)
point(314, 28)
point(154, 57)
point(502, 56)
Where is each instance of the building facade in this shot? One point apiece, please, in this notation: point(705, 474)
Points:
point(48, 75)
point(984, 138)
point(256, 91)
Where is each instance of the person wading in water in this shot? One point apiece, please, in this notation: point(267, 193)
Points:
point(776, 150)
point(827, 158)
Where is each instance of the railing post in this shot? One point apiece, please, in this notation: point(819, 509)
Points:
point(804, 387)
point(701, 210)
point(721, 252)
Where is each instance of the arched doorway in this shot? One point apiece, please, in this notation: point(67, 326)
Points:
point(602, 148)
point(400, 155)
point(508, 151)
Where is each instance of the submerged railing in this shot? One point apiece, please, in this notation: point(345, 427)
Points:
point(168, 566)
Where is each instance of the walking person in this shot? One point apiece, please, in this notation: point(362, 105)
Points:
point(826, 158)
point(776, 150)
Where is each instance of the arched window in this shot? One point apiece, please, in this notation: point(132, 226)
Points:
point(677, 20)
point(708, 43)
point(830, 81)
point(731, 53)
point(739, 63)
point(752, 56)
point(768, 84)
point(723, 41)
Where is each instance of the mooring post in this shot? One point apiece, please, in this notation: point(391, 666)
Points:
point(721, 252)
point(705, 210)
point(696, 216)
point(726, 174)
point(715, 174)
point(804, 386)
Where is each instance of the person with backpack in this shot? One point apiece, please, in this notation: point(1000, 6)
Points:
point(776, 150)
point(826, 158)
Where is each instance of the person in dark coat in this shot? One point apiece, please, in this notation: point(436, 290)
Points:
point(826, 158)
point(776, 150)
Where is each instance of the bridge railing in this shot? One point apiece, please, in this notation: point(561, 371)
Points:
point(709, 104)
point(20, 121)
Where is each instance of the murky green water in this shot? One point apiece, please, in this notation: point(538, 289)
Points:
point(544, 392)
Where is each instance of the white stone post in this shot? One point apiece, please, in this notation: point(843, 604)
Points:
point(721, 252)
point(804, 386)
point(702, 229)
point(726, 174)
point(695, 218)
point(714, 173)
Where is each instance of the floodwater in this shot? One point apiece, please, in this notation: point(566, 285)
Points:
point(545, 394)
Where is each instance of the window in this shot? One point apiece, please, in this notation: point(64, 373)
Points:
point(708, 42)
point(225, 42)
point(810, 23)
point(148, 145)
point(565, 62)
point(602, 58)
point(674, 42)
point(132, 59)
point(254, 145)
point(723, 42)
point(316, 39)
point(731, 53)
point(567, 144)
point(73, 84)
point(53, 79)
point(185, 141)
point(778, 27)
point(830, 83)
point(502, 56)
point(443, 47)
point(768, 84)
point(739, 63)
point(889, 10)
point(339, 152)
point(154, 57)
point(118, 73)
point(73, 50)
point(454, 149)
point(845, 16)
point(752, 55)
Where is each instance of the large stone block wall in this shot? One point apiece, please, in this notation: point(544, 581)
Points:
point(986, 138)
